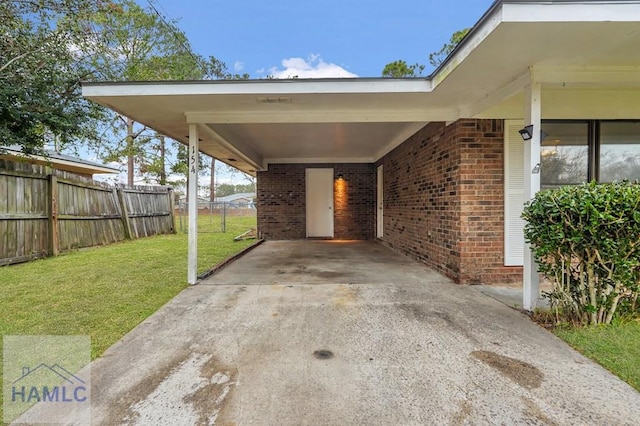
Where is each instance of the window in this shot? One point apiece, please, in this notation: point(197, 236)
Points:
point(619, 151)
point(564, 154)
point(574, 152)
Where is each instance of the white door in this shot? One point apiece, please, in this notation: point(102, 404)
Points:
point(319, 189)
point(380, 203)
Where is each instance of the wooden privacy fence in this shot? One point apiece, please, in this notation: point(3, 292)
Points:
point(44, 211)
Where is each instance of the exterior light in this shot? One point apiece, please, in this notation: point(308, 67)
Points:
point(527, 133)
point(340, 176)
point(536, 169)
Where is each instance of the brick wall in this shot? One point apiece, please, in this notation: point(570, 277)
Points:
point(421, 203)
point(481, 189)
point(443, 191)
point(281, 201)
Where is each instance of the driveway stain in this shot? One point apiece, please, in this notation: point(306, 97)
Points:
point(346, 296)
point(522, 373)
point(323, 354)
point(304, 270)
point(210, 400)
point(535, 412)
point(193, 387)
point(421, 313)
point(121, 410)
point(232, 299)
point(464, 412)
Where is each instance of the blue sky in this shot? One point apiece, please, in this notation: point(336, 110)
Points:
point(320, 38)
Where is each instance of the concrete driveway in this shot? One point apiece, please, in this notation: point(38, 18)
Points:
point(333, 333)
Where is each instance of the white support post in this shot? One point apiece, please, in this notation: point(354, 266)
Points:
point(192, 257)
point(533, 116)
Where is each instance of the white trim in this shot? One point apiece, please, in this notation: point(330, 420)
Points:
point(292, 115)
point(192, 251)
point(532, 116)
point(585, 11)
point(504, 92)
point(575, 75)
point(77, 166)
point(240, 150)
point(258, 87)
point(380, 201)
point(317, 160)
point(468, 45)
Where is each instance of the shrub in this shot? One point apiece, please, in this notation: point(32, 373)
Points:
point(586, 240)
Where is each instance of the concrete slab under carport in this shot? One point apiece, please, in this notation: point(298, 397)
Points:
point(323, 262)
point(408, 347)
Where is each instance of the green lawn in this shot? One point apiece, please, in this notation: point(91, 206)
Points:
point(616, 347)
point(104, 292)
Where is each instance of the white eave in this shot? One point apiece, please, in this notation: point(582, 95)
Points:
point(584, 53)
point(54, 160)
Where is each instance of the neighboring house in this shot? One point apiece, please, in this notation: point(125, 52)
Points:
point(433, 167)
point(56, 160)
point(203, 203)
point(242, 199)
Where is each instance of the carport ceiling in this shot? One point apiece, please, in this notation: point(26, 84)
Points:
point(585, 54)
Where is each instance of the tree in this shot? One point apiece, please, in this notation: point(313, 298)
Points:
point(140, 44)
point(181, 165)
point(133, 43)
point(400, 68)
point(437, 58)
point(49, 46)
point(42, 62)
point(224, 189)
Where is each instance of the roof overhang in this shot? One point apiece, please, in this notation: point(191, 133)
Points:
point(58, 161)
point(584, 53)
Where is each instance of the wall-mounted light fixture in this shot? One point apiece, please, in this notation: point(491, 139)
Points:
point(339, 176)
point(536, 169)
point(527, 133)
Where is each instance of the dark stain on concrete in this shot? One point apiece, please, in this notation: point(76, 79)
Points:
point(463, 413)
point(420, 312)
point(205, 400)
point(524, 374)
point(532, 410)
point(121, 410)
point(310, 272)
point(215, 395)
point(232, 299)
point(323, 354)
point(330, 275)
point(346, 296)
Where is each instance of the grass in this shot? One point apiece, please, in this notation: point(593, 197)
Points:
point(616, 347)
point(104, 292)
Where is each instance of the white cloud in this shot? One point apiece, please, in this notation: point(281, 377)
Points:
point(312, 67)
point(238, 66)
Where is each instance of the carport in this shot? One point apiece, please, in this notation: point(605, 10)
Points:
point(522, 60)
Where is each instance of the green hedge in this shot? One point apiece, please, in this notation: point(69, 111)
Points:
point(586, 240)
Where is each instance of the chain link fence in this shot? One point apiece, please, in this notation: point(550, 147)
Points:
point(213, 216)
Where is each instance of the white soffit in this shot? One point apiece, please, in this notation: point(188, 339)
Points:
point(585, 54)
